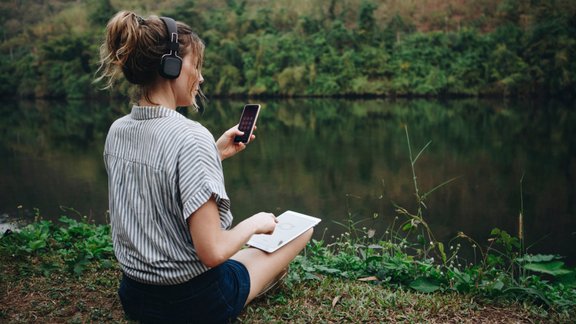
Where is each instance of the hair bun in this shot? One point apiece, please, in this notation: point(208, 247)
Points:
point(122, 36)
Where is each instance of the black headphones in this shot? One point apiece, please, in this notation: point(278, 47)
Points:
point(171, 63)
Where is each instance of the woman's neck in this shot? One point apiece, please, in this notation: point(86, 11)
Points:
point(159, 96)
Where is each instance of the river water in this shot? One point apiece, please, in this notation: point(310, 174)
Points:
point(332, 158)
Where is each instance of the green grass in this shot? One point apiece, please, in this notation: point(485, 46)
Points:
point(92, 297)
point(339, 300)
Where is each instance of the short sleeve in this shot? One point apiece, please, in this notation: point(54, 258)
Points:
point(200, 175)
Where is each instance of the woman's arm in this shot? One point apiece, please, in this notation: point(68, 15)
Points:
point(215, 245)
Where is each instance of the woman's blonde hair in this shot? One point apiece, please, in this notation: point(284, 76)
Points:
point(134, 47)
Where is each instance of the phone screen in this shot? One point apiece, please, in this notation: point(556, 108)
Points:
point(247, 122)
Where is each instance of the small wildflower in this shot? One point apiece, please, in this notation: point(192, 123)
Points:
point(371, 233)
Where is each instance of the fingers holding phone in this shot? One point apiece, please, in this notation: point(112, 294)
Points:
point(247, 123)
point(235, 139)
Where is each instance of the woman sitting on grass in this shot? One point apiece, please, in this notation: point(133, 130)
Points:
point(169, 210)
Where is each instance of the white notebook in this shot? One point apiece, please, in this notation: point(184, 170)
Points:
point(290, 225)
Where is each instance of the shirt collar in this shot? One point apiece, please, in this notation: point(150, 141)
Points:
point(151, 112)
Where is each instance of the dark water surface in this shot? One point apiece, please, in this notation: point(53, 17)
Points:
point(331, 158)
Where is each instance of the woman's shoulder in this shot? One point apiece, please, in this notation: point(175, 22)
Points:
point(193, 135)
point(195, 129)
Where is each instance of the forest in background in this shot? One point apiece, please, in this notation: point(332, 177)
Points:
point(504, 48)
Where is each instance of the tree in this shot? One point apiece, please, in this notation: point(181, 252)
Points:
point(101, 12)
point(366, 21)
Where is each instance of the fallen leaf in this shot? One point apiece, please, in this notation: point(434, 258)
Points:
point(335, 300)
point(371, 278)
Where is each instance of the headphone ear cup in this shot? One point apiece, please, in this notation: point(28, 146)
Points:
point(171, 63)
point(170, 66)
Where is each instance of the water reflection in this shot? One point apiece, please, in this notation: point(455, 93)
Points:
point(332, 158)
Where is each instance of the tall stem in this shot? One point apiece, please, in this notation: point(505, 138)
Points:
point(412, 167)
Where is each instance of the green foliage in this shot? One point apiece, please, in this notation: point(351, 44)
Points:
point(385, 263)
point(555, 268)
point(344, 49)
point(366, 21)
point(72, 243)
point(101, 11)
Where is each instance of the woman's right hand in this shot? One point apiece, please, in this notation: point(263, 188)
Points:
point(264, 223)
point(214, 245)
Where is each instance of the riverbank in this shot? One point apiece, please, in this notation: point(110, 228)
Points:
point(66, 273)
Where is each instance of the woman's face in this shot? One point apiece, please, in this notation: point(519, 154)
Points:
point(187, 85)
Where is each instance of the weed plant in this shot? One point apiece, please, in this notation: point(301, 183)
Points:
point(45, 247)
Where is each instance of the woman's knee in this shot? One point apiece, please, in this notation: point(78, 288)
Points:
point(307, 236)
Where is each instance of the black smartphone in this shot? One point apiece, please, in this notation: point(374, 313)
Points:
point(247, 122)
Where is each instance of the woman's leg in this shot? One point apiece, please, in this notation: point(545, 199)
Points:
point(265, 267)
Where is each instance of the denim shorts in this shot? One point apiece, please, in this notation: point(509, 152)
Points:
point(216, 296)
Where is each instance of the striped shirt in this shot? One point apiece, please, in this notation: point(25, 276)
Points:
point(161, 168)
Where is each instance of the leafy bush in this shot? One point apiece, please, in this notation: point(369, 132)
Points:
point(72, 244)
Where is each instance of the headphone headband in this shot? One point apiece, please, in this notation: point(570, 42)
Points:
point(171, 63)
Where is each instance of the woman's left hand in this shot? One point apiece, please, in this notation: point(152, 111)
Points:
point(226, 145)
